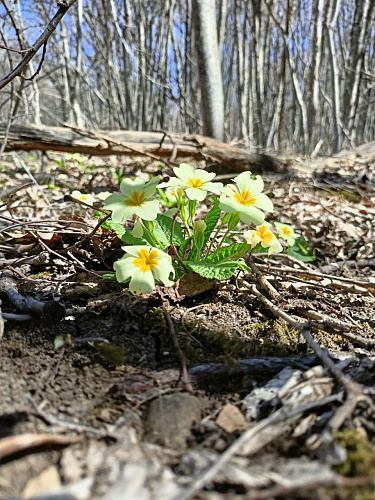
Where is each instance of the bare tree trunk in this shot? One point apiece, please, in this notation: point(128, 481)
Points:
point(79, 59)
point(241, 73)
point(332, 14)
point(204, 12)
point(31, 66)
point(222, 21)
point(366, 11)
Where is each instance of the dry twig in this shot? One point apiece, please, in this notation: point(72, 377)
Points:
point(354, 391)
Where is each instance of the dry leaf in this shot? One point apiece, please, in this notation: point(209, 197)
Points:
point(231, 419)
point(46, 481)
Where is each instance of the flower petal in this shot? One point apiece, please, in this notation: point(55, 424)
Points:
point(122, 214)
point(127, 186)
point(135, 249)
point(184, 172)
point(250, 215)
point(114, 199)
point(141, 282)
point(204, 175)
point(149, 210)
point(275, 247)
point(173, 181)
point(196, 194)
point(124, 268)
point(229, 204)
point(163, 271)
point(252, 238)
point(228, 190)
point(214, 187)
point(263, 202)
point(246, 183)
point(150, 186)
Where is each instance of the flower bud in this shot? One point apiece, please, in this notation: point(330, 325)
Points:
point(199, 229)
point(199, 226)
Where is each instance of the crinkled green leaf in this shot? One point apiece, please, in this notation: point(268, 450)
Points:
point(224, 253)
point(221, 271)
point(114, 226)
point(159, 233)
point(211, 219)
point(165, 224)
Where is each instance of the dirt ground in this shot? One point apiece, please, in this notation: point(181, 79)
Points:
point(112, 414)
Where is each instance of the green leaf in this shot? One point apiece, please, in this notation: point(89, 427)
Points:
point(165, 224)
point(59, 342)
point(159, 233)
point(224, 253)
point(301, 250)
point(211, 219)
point(221, 271)
point(114, 226)
point(184, 246)
point(113, 353)
point(130, 240)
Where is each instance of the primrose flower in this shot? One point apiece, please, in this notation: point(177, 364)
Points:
point(286, 232)
point(144, 265)
point(246, 198)
point(265, 237)
point(87, 198)
point(172, 194)
point(195, 181)
point(136, 197)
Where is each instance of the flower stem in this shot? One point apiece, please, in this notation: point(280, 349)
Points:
point(214, 237)
point(221, 242)
point(185, 218)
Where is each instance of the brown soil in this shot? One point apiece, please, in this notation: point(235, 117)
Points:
point(86, 389)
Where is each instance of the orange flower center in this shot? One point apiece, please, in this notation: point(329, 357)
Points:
point(264, 234)
point(146, 261)
point(195, 183)
point(244, 198)
point(286, 231)
point(136, 200)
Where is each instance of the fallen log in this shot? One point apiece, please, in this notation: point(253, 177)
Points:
point(170, 147)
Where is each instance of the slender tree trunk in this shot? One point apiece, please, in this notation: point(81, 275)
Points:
point(333, 11)
point(211, 83)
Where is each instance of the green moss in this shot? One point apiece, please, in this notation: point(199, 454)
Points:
point(361, 454)
point(202, 343)
point(360, 462)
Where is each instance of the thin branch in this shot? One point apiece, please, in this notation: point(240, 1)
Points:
point(42, 40)
point(40, 64)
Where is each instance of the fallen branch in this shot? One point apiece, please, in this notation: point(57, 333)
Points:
point(156, 145)
point(52, 311)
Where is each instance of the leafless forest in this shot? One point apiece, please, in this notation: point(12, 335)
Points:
point(296, 75)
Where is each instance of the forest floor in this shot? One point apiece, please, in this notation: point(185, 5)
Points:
point(259, 415)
